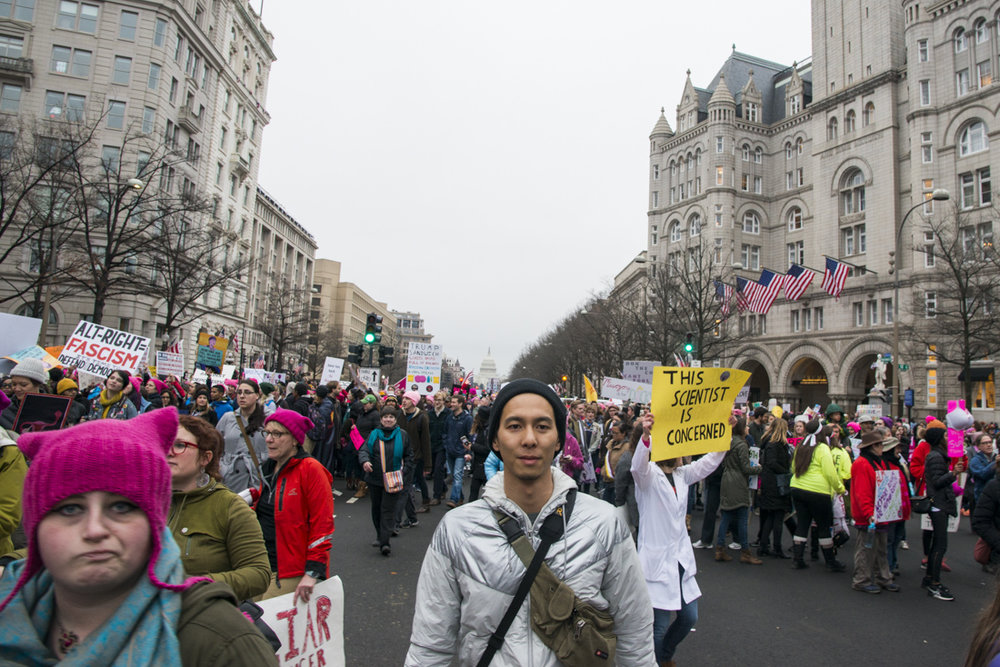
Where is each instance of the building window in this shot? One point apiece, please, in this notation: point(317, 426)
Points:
point(77, 16)
point(929, 250)
point(962, 82)
point(60, 106)
point(719, 176)
point(694, 225)
point(753, 113)
point(789, 180)
point(795, 104)
point(757, 184)
point(794, 219)
point(807, 322)
point(831, 129)
point(675, 231)
point(795, 320)
point(859, 314)
point(127, 25)
point(751, 223)
point(758, 155)
point(852, 193)
point(819, 318)
point(10, 98)
point(656, 198)
point(718, 216)
point(887, 311)
point(160, 33)
point(868, 114)
point(925, 92)
point(854, 240)
point(148, 119)
point(750, 256)
point(928, 184)
point(788, 150)
point(982, 32)
point(984, 72)
point(930, 304)
point(656, 171)
point(975, 189)
point(745, 182)
point(719, 144)
point(11, 46)
point(122, 70)
point(796, 253)
point(973, 139)
point(799, 177)
point(873, 312)
point(116, 115)
point(746, 152)
point(799, 146)
point(926, 148)
point(923, 52)
point(849, 121)
point(961, 40)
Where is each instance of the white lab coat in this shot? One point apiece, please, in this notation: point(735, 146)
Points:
point(663, 538)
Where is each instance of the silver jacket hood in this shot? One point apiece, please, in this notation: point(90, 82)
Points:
point(470, 575)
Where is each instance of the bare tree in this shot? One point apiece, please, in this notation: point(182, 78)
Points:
point(956, 310)
point(284, 319)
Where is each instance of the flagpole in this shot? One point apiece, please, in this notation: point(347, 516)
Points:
point(863, 268)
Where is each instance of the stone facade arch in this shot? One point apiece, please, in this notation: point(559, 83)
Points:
point(816, 350)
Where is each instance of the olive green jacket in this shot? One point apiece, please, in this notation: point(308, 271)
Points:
point(212, 631)
point(12, 471)
point(219, 537)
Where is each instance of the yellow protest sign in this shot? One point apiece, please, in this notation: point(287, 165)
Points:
point(692, 408)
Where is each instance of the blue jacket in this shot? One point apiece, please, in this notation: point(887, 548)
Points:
point(982, 472)
point(454, 429)
point(221, 407)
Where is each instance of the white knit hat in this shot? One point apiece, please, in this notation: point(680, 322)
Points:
point(33, 369)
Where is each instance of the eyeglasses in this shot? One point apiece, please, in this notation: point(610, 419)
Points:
point(179, 446)
point(274, 435)
point(246, 393)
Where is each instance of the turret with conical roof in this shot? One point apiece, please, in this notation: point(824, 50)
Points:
point(662, 127)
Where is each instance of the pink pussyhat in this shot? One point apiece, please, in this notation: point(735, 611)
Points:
point(127, 458)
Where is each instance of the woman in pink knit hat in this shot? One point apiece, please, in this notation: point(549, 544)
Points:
point(103, 582)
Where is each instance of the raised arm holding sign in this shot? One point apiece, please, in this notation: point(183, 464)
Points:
point(692, 407)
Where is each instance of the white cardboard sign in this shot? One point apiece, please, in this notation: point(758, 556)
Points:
point(626, 390)
point(332, 370)
point(99, 350)
point(311, 633)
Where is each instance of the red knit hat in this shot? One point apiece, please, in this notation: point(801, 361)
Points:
point(128, 458)
point(298, 424)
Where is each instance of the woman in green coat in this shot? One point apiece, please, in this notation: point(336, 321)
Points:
point(217, 532)
point(735, 495)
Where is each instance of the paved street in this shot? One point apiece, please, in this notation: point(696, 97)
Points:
point(765, 615)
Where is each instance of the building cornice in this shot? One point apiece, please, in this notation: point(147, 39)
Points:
point(863, 88)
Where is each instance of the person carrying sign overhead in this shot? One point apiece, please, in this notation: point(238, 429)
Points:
point(473, 585)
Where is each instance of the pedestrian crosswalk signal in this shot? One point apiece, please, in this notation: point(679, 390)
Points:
point(373, 329)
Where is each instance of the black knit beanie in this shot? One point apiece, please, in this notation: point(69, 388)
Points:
point(934, 436)
point(527, 386)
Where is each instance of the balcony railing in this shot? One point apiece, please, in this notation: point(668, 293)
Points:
point(188, 120)
point(19, 65)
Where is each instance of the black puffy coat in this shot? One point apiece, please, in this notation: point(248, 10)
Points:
point(775, 459)
point(939, 480)
point(986, 515)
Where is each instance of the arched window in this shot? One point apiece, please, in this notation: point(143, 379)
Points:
point(794, 219)
point(697, 158)
point(982, 32)
point(675, 230)
point(973, 139)
point(788, 150)
point(961, 40)
point(852, 192)
point(689, 161)
point(849, 121)
point(758, 155)
point(29, 310)
point(868, 115)
point(751, 222)
point(694, 225)
point(831, 129)
point(799, 146)
point(746, 152)
point(673, 169)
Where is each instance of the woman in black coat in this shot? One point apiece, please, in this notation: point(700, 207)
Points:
point(939, 482)
point(480, 452)
point(775, 460)
point(986, 521)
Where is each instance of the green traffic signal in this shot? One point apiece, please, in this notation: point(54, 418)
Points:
point(369, 338)
point(688, 347)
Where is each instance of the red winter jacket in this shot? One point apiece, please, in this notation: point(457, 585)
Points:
point(303, 515)
point(863, 489)
point(917, 466)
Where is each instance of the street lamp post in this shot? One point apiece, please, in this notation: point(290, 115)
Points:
point(940, 194)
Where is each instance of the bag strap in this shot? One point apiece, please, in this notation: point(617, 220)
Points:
point(381, 453)
point(246, 441)
point(551, 530)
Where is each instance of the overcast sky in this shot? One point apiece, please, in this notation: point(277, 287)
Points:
point(484, 163)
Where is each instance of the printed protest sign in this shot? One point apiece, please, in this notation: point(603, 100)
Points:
point(169, 363)
point(743, 396)
point(311, 633)
point(258, 374)
point(332, 369)
point(754, 461)
point(33, 352)
point(97, 349)
point(41, 412)
point(888, 496)
point(874, 411)
point(638, 371)
point(692, 407)
point(370, 376)
point(211, 352)
point(199, 377)
point(626, 390)
point(423, 368)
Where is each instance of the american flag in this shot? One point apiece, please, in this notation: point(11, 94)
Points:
point(768, 286)
point(798, 279)
point(467, 379)
point(835, 277)
point(723, 293)
point(260, 361)
point(175, 347)
point(234, 344)
point(745, 291)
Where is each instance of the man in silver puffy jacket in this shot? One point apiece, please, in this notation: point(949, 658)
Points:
point(470, 573)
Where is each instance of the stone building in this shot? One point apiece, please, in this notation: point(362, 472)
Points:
point(191, 75)
point(773, 163)
point(343, 308)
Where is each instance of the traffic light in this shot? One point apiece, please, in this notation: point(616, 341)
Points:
point(355, 353)
point(689, 344)
point(384, 355)
point(373, 329)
